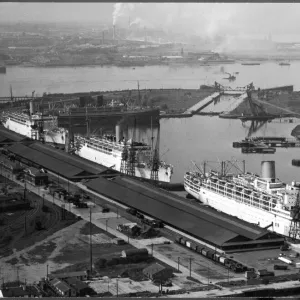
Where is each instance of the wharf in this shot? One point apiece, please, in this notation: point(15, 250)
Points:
point(203, 223)
point(252, 150)
point(275, 142)
point(202, 104)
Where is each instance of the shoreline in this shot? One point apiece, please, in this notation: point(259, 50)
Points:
point(147, 64)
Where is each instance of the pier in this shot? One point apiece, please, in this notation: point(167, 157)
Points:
point(276, 142)
point(202, 104)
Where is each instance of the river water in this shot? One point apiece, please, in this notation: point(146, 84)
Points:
point(181, 140)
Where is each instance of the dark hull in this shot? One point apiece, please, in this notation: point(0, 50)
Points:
point(141, 116)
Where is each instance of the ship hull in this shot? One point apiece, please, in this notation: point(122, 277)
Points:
point(26, 130)
point(113, 160)
point(110, 117)
point(22, 129)
point(250, 214)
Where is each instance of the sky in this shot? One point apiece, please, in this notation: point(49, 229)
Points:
point(204, 19)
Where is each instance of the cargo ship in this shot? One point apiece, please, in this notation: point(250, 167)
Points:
point(263, 200)
point(113, 115)
point(35, 126)
point(116, 153)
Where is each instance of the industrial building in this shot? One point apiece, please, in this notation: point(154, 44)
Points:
point(12, 167)
point(35, 177)
point(157, 272)
point(39, 156)
point(205, 224)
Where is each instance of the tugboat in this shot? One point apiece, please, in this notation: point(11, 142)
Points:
point(284, 63)
point(231, 77)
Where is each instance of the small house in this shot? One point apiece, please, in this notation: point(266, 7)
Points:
point(62, 288)
point(81, 288)
point(13, 167)
point(157, 272)
point(80, 275)
point(135, 252)
point(35, 177)
point(15, 291)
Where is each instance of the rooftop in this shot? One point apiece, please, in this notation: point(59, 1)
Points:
point(199, 221)
point(69, 274)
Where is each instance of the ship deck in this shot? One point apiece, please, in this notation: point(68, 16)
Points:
point(204, 223)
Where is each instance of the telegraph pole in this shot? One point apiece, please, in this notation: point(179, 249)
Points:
point(190, 266)
point(91, 245)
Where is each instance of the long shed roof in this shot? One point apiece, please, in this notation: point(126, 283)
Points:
point(168, 211)
point(48, 162)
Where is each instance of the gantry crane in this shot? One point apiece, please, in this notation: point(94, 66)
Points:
point(295, 214)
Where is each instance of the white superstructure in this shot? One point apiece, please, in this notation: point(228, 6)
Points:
point(265, 200)
point(108, 152)
point(36, 127)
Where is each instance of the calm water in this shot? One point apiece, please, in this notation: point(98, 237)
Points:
point(181, 140)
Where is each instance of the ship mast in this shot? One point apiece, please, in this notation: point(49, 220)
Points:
point(87, 123)
point(132, 154)
point(155, 158)
point(139, 95)
point(295, 214)
point(152, 137)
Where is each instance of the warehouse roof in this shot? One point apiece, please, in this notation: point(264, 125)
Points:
point(203, 223)
point(70, 159)
point(48, 162)
point(236, 225)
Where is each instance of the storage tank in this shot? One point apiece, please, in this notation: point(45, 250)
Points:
point(31, 107)
point(118, 133)
point(268, 170)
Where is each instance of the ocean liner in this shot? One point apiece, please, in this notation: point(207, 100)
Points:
point(125, 156)
point(262, 200)
point(35, 126)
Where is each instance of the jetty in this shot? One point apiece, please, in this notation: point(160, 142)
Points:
point(276, 142)
point(202, 104)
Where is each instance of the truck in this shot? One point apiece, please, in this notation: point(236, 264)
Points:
point(131, 211)
point(81, 204)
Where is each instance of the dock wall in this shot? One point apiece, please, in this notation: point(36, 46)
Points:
point(202, 104)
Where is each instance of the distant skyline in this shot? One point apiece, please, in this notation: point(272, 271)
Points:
point(203, 19)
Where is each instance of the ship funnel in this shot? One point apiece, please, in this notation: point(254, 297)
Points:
point(118, 133)
point(268, 170)
point(31, 107)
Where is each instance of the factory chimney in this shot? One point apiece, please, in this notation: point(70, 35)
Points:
point(118, 133)
point(145, 34)
point(31, 107)
point(102, 37)
point(114, 32)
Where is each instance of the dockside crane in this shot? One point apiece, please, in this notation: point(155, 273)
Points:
point(256, 109)
point(295, 223)
point(155, 162)
point(132, 154)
